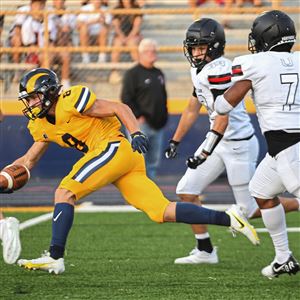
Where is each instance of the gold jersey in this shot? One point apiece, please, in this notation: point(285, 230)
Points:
point(108, 157)
point(71, 128)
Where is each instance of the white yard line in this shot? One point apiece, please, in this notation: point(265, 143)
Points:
point(88, 207)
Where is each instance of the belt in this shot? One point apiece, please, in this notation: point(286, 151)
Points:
point(242, 139)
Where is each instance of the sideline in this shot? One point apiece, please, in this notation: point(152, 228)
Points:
point(88, 207)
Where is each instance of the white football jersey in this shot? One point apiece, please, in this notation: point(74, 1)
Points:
point(275, 87)
point(212, 80)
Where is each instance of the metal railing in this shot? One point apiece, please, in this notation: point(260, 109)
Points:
point(196, 13)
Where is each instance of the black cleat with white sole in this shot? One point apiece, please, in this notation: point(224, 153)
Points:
point(291, 266)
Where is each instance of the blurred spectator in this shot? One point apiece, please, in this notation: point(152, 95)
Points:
point(28, 30)
point(196, 3)
point(127, 32)
point(144, 91)
point(141, 3)
point(94, 28)
point(241, 3)
point(65, 24)
point(1, 29)
point(19, 36)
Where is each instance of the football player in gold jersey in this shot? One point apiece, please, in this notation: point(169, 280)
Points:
point(75, 118)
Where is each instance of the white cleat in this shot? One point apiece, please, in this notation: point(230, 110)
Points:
point(238, 223)
point(199, 257)
point(10, 236)
point(44, 263)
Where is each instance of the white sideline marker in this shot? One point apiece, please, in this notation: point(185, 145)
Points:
point(88, 207)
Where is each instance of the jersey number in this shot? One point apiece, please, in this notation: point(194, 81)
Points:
point(74, 143)
point(292, 79)
point(67, 93)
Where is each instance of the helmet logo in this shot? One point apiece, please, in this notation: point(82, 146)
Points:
point(216, 45)
point(288, 38)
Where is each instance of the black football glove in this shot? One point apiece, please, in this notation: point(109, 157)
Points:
point(171, 151)
point(6, 191)
point(139, 142)
point(194, 161)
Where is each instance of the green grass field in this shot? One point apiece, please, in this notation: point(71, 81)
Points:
point(126, 256)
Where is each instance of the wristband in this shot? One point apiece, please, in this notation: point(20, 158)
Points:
point(212, 139)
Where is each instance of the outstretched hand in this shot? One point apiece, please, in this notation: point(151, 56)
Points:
point(139, 142)
point(171, 151)
point(194, 161)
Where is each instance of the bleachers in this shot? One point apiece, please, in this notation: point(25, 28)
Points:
point(166, 21)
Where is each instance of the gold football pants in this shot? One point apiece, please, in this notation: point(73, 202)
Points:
point(115, 162)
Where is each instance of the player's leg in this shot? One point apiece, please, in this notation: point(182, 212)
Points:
point(153, 155)
point(9, 234)
point(144, 194)
point(95, 170)
point(133, 42)
point(62, 221)
point(240, 158)
point(190, 186)
point(264, 186)
point(102, 41)
point(65, 69)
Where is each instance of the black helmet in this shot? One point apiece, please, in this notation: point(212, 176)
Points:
point(43, 83)
point(204, 32)
point(271, 29)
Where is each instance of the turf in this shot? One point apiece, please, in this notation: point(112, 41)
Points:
point(126, 256)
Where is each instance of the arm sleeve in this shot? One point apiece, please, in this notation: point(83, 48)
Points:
point(128, 93)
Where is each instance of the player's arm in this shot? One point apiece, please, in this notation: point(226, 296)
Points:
point(33, 155)
point(232, 97)
point(188, 118)
point(211, 141)
point(103, 108)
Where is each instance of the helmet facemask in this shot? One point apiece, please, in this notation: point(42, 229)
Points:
point(32, 112)
point(204, 32)
point(41, 83)
point(195, 61)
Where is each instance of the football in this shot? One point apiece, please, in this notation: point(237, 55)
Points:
point(13, 177)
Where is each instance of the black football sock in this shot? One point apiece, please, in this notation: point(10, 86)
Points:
point(205, 245)
point(193, 214)
point(62, 221)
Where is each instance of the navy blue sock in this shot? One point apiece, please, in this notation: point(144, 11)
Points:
point(62, 221)
point(193, 214)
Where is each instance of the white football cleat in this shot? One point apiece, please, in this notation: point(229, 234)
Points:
point(238, 223)
point(199, 257)
point(10, 236)
point(291, 266)
point(44, 263)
